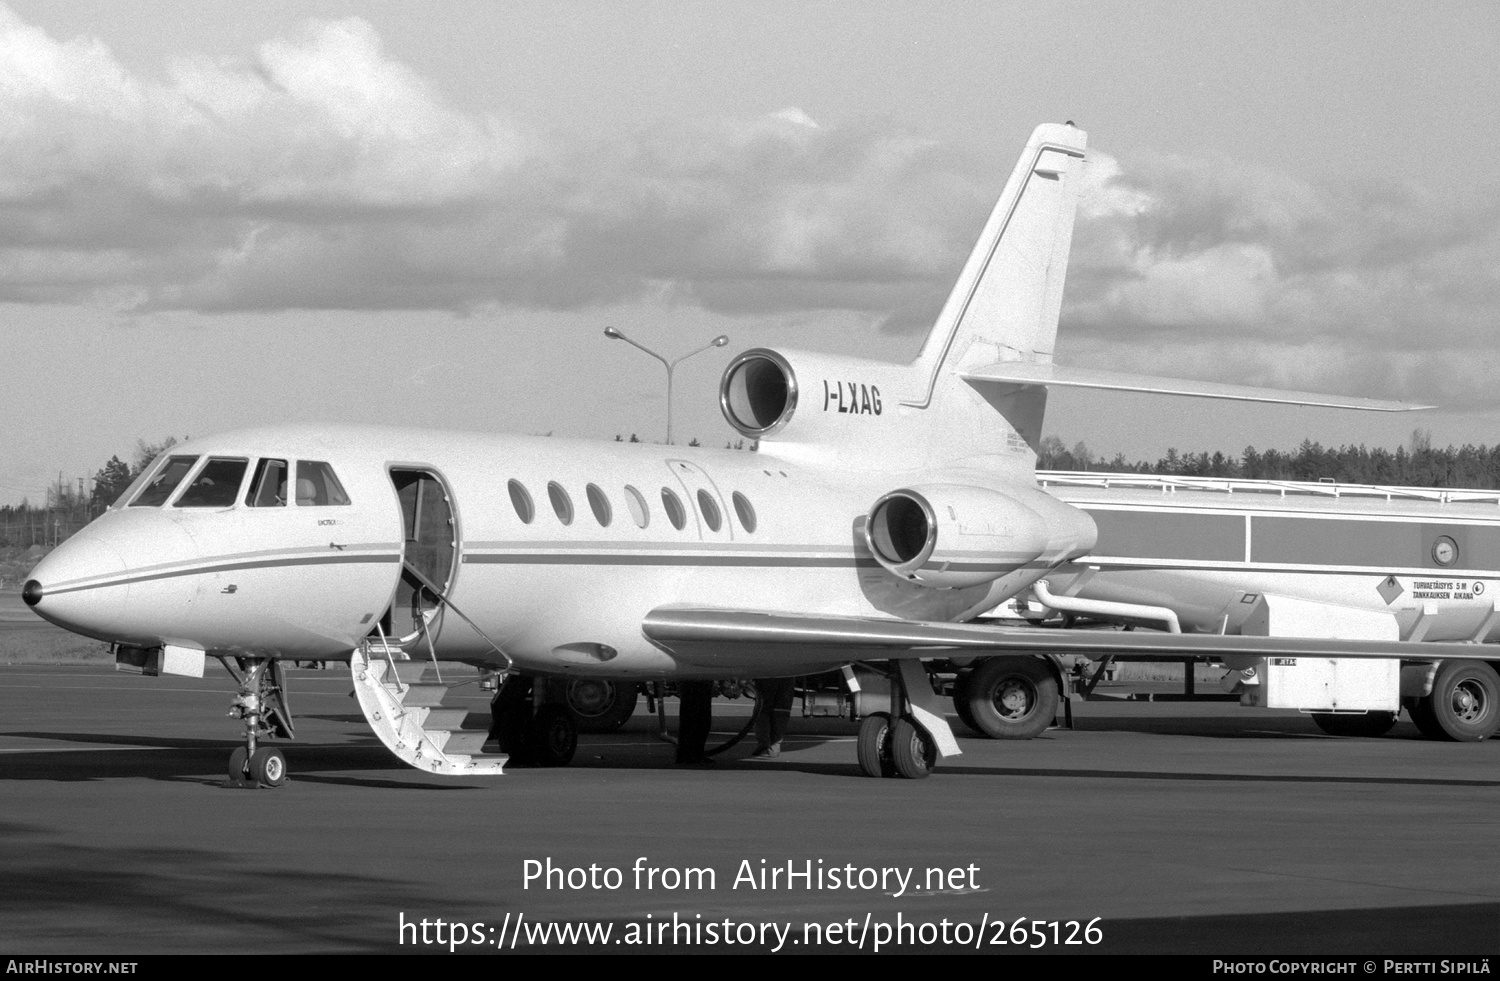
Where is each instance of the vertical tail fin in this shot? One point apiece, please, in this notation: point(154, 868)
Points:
point(1005, 304)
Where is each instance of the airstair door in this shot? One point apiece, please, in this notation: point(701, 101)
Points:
point(430, 546)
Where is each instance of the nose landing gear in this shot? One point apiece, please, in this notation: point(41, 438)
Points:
point(261, 702)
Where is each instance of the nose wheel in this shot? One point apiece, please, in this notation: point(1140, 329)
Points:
point(261, 703)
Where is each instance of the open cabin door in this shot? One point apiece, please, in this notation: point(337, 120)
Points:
point(430, 545)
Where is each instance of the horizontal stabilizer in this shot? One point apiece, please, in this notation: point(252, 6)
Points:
point(1052, 375)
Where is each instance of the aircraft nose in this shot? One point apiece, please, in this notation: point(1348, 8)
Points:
point(76, 586)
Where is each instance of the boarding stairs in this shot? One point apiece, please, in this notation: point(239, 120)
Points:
point(403, 702)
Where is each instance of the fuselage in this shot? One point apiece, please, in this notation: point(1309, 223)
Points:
point(554, 549)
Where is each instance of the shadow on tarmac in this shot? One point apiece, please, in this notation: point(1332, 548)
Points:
point(179, 759)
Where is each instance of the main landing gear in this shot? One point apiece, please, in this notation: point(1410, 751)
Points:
point(907, 741)
point(534, 735)
point(261, 702)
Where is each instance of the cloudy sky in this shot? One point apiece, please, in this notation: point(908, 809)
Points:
point(221, 213)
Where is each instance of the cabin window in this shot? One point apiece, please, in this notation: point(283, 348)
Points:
point(637, 505)
point(520, 499)
point(165, 482)
point(599, 504)
point(745, 511)
point(268, 486)
point(675, 513)
point(317, 486)
point(216, 486)
point(562, 504)
point(710, 510)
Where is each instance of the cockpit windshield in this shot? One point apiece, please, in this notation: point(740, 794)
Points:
point(268, 489)
point(161, 486)
point(216, 486)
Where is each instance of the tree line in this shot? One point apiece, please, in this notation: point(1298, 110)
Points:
point(68, 508)
point(1418, 464)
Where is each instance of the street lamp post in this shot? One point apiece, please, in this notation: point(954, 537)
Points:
point(719, 341)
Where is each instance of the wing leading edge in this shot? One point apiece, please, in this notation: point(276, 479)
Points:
point(716, 638)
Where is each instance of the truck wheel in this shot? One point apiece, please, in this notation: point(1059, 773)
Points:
point(912, 750)
point(1012, 697)
point(1465, 701)
point(961, 702)
point(1420, 710)
point(601, 706)
point(1368, 724)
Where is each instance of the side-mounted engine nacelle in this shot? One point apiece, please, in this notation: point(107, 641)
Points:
point(800, 396)
point(955, 535)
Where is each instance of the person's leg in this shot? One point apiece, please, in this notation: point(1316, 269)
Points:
point(775, 714)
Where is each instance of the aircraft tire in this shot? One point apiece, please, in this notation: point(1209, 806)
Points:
point(1465, 701)
point(553, 736)
point(1012, 697)
point(1368, 724)
point(238, 771)
point(874, 746)
point(601, 706)
point(268, 767)
point(912, 750)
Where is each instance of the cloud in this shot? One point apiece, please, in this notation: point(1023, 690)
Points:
point(318, 172)
point(1217, 269)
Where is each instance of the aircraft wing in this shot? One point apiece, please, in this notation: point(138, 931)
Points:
point(1054, 375)
point(716, 638)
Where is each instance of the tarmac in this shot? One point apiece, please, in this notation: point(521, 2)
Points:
point(1160, 828)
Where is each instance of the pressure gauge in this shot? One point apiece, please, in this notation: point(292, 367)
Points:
point(1445, 551)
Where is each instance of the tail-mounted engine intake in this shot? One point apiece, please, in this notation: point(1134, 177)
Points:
point(758, 393)
point(953, 535)
point(807, 397)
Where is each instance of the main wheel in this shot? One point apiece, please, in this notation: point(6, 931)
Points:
point(912, 750)
point(552, 736)
point(1368, 724)
point(601, 706)
point(1465, 701)
point(1012, 697)
point(238, 772)
point(874, 746)
point(268, 767)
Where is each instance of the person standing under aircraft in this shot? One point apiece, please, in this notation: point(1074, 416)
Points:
point(773, 715)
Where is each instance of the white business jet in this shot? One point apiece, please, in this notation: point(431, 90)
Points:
point(887, 505)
